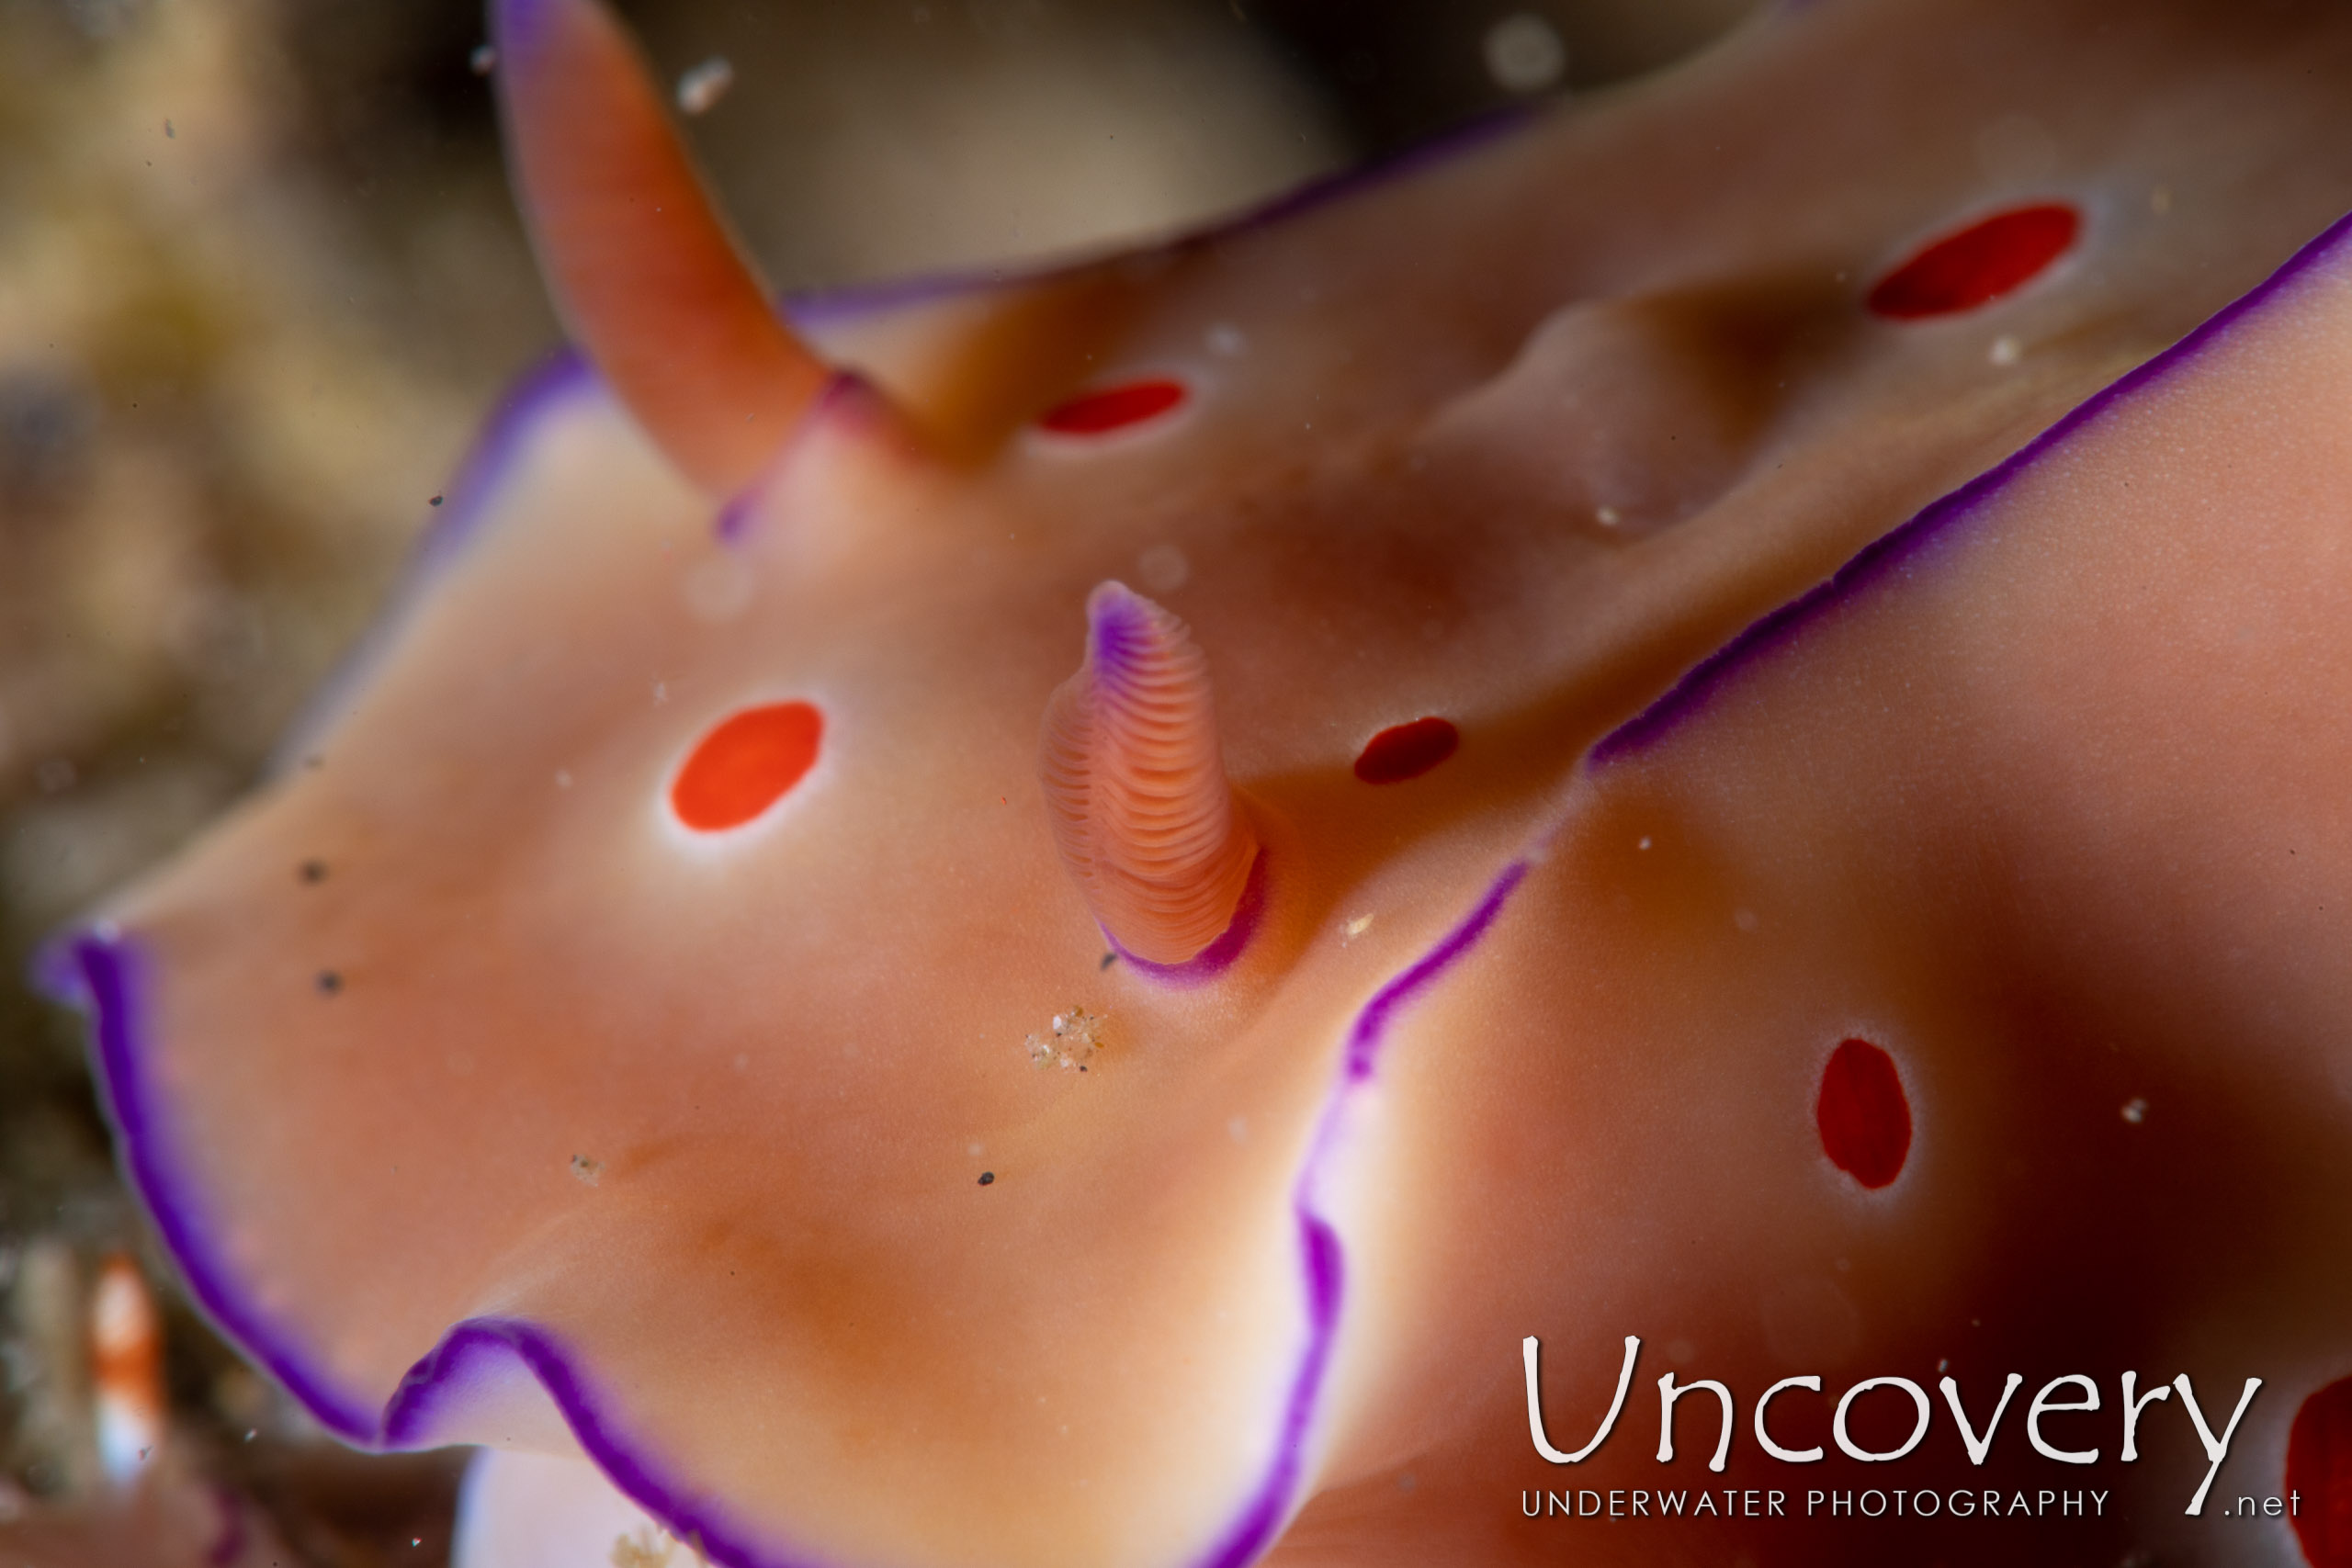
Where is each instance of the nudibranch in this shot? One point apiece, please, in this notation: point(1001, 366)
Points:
point(1714, 725)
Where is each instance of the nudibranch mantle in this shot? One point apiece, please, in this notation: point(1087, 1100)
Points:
point(1531, 1038)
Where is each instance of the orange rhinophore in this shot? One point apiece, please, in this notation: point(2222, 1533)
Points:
point(1143, 812)
point(638, 260)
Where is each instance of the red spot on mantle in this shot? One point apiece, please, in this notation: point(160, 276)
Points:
point(1407, 750)
point(1978, 264)
point(1107, 409)
point(2319, 1465)
point(1865, 1120)
point(745, 765)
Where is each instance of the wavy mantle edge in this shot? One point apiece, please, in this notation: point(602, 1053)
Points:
point(1886, 556)
point(114, 971)
point(105, 972)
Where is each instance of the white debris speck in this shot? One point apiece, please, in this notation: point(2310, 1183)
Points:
point(1074, 1036)
point(1358, 926)
point(587, 1170)
point(701, 87)
point(2135, 1110)
point(2006, 350)
point(1229, 341)
point(1607, 517)
point(1524, 53)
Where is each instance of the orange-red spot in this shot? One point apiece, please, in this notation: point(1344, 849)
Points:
point(745, 765)
point(2319, 1465)
point(1865, 1120)
point(1979, 264)
point(1407, 750)
point(1107, 409)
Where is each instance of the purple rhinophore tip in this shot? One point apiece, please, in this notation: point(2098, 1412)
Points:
point(1120, 630)
point(514, 22)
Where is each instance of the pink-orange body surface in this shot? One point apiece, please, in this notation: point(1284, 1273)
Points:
point(618, 1029)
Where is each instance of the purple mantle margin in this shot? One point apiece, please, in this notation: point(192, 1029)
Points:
point(464, 511)
point(1881, 557)
point(104, 973)
point(111, 971)
point(108, 971)
point(1261, 1518)
point(111, 976)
